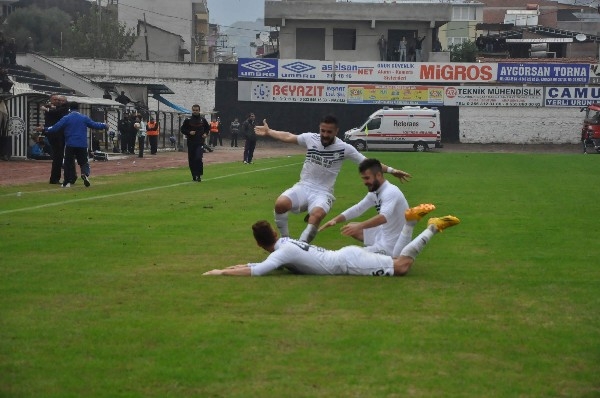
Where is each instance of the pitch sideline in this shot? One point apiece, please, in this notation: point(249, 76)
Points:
point(65, 202)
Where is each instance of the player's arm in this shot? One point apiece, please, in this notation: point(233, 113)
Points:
point(401, 175)
point(332, 222)
point(350, 213)
point(354, 227)
point(284, 136)
point(236, 270)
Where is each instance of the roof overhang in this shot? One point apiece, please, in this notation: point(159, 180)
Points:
point(152, 87)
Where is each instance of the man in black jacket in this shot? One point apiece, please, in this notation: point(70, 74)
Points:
point(52, 114)
point(195, 128)
point(250, 136)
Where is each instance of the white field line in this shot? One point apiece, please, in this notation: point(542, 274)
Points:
point(66, 202)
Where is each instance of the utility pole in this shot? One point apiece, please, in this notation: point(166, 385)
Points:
point(146, 38)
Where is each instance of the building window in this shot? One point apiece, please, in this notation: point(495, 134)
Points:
point(344, 39)
point(455, 41)
point(463, 13)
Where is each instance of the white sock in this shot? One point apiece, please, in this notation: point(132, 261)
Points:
point(416, 246)
point(404, 238)
point(281, 221)
point(309, 233)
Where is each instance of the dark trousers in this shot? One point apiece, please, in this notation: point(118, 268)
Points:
point(213, 139)
point(153, 140)
point(249, 147)
point(234, 138)
point(141, 144)
point(124, 139)
point(72, 153)
point(57, 143)
point(131, 142)
point(195, 154)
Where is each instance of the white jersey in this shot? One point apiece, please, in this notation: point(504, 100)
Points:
point(323, 164)
point(390, 202)
point(303, 258)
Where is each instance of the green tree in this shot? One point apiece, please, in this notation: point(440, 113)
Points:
point(464, 52)
point(99, 35)
point(46, 28)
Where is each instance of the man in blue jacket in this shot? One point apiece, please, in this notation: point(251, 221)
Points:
point(75, 127)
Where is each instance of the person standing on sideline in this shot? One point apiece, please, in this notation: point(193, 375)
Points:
point(322, 164)
point(248, 130)
point(76, 139)
point(132, 134)
point(214, 133)
point(419, 47)
point(382, 44)
point(52, 114)
point(402, 50)
point(380, 232)
point(234, 129)
point(196, 129)
point(141, 135)
point(123, 128)
point(304, 259)
point(153, 131)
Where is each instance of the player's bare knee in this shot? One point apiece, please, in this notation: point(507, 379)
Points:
point(282, 205)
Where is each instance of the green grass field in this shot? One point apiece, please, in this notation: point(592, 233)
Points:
point(101, 293)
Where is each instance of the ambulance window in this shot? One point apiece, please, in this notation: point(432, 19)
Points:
point(374, 124)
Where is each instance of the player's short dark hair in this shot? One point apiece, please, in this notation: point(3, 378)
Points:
point(263, 233)
point(196, 106)
point(73, 106)
point(329, 119)
point(370, 164)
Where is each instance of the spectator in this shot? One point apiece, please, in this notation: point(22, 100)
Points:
point(153, 131)
point(402, 50)
point(250, 136)
point(437, 45)
point(5, 83)
point(214, 133)
point(11, 51)
point(124, 128)
point(419, 48)
point(131, 134)
point(40, 151)
point(2, 48)
point(122, 98)
point(107, 95)
point(140, 127)
point(234, 128)
point(382, 45)
point(480, 42)
point(29, 45)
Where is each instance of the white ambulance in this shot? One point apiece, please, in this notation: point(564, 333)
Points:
point(410, 127)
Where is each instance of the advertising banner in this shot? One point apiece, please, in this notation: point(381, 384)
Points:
point(543, 73)
point(302, 69)
point(294, 92)
point(493, 96)
point(395, 95)
point(572, 96)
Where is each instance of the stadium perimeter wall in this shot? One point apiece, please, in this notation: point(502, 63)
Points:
point(215, 87)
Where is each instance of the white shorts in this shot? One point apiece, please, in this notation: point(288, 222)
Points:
point(372, 242)
point(305, 198)
point(361, 262)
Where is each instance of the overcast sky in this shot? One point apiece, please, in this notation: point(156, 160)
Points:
point(226, 12)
